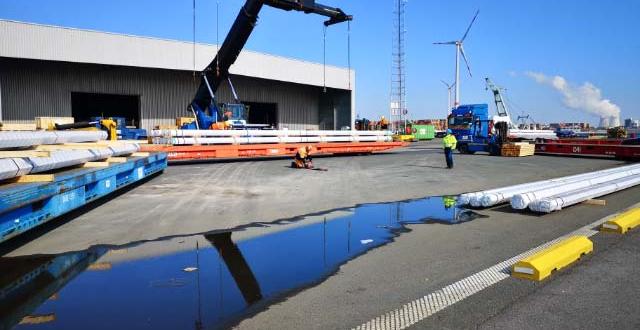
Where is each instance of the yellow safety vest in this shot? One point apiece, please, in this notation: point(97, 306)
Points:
point(449, 141)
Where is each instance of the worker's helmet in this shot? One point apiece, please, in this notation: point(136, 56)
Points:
point(449, 131)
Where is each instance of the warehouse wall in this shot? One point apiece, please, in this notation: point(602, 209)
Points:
point(32, 88)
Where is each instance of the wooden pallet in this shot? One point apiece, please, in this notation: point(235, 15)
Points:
point(519, 149)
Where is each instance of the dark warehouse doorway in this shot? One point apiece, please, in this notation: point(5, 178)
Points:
point(87, 105)
point(262, 113)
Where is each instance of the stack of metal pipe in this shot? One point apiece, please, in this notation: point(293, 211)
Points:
point(203, 137)
point(17, 166)
point(552, 195)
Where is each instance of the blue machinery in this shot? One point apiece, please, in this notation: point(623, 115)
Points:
point(204, 105)
point(26, 205)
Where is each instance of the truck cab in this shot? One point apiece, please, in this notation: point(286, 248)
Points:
point(472, 127)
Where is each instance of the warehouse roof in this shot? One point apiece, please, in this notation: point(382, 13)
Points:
point(54, 43)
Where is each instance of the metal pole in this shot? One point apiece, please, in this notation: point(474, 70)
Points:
point(457, 101)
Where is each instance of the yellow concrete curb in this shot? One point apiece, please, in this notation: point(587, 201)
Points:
point(540, 265)
point(623, 222)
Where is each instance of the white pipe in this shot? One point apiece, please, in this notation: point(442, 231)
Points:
point(491, 199)
point(250, 133)
point(522, 200)
point(500, 195)
point(556, 203)
point(261, 139)
point(14, 167)
point(20, 139)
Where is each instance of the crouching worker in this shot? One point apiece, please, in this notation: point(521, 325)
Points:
point(303, 158)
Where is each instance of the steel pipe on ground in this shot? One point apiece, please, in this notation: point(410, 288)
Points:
point(500, 195)
point(556, 203)
point(521, 201)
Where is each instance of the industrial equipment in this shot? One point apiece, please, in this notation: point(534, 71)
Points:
point(476, 131)
point(503, 115)
point(116, 128)
point(204, 106)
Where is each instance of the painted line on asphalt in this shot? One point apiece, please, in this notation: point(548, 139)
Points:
point(422, 308)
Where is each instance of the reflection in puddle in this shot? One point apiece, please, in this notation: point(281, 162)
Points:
point(201, 281)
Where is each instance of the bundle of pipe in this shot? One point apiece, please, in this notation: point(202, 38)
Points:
point(184, 137)
point(14, 167)
point(556, 203)
point(532, 134)
point(521, 201)
point(492, 197)
point(20, 139)
point(124, 148)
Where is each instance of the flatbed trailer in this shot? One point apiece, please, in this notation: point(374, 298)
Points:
point(244, 151)
point(25, 205)
point(609, 148)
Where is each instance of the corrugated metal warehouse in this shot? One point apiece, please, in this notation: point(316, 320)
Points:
point(64, 72)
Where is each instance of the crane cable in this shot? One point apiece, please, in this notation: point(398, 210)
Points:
point(194, 40)
point(324, 59)
point(349, 51)
point(217, 37)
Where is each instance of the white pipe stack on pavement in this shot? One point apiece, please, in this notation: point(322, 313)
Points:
point(529, 194)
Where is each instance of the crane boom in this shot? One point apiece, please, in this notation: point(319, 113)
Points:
point(218, 70)
point(501, 108)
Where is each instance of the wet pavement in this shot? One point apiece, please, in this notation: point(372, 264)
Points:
point(206, 281)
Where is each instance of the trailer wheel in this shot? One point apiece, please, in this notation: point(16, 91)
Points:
point(464, 149)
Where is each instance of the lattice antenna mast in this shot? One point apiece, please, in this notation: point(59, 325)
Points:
point(398, 106)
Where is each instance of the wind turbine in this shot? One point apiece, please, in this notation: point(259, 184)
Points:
point(449, 87)
point(460, 50)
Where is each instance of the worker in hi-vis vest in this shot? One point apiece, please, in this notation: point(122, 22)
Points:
point(449, 142)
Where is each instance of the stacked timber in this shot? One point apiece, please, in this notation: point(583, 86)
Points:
point(24, 153)
point(220, 137)
point(518, 149)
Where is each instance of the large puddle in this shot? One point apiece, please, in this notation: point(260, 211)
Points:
point(202, 281)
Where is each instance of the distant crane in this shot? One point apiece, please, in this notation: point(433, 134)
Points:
point(460, 50)
point(449, 87)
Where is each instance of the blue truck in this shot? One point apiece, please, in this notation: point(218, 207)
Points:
point(474, 129)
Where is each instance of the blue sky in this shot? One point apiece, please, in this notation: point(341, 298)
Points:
point(583, 41)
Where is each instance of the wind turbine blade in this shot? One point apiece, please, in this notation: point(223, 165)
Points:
point(465, 60)
point(445, 43)
point(470, 24)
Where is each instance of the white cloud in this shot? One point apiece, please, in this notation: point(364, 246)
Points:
point(586, 97)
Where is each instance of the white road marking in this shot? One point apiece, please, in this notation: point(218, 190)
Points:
point(423, 307)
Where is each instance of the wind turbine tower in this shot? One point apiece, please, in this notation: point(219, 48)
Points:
point(460, 51)
point(449, 88)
